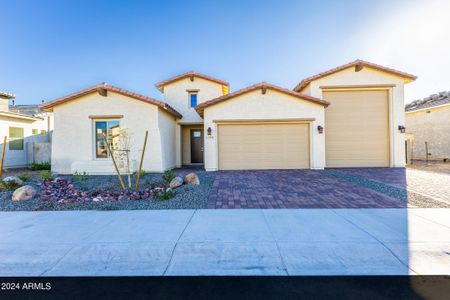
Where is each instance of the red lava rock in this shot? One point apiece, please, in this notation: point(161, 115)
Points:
point(63, 191)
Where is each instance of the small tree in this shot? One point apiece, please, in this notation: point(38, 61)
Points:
point(120, 148)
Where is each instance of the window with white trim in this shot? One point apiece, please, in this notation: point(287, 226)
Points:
point(193, 95)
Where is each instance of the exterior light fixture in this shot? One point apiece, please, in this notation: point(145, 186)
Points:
point(209, 130)
point(401, 128)
point(320, 129)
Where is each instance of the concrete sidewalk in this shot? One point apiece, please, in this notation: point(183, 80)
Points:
point(226, 242)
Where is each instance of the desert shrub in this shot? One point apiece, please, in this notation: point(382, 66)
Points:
point(8, 185)
point(24, 177)
point(169, 175)
point(142, 173)
point(45, 174)
point(165, 195)
point(40, 166)
point(80, 176)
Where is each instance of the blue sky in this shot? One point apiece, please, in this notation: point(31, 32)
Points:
point(52, 48)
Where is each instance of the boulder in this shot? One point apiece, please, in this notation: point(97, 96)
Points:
point(26, 192)
point(13, 179)
point(176, 182)
point(191, 178)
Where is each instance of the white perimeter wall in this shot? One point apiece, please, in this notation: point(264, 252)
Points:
point(18, 158)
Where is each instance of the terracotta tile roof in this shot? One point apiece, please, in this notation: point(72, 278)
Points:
point(108, 87)
point(434, 100)
point(6, 95)
point(357, 62)
point(160, 85)
point(199, 108)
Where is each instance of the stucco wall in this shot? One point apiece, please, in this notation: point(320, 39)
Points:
point(432, 127)
point(73, 137)
point(368, 76)
point(176, 95)
point(272, 105)
point(167, 124)
point(18, 158)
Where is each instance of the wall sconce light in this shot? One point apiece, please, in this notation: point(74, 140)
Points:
point(401, 128)
point(209, 131)
point(320, 129)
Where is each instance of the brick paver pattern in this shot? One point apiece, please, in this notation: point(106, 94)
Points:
point(293, 189)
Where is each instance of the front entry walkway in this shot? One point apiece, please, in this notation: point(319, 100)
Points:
point(226, 242)
point(301, 189)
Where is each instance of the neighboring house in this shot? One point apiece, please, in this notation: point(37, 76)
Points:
point(348, 116)
point(428, 126)
point(23, 126)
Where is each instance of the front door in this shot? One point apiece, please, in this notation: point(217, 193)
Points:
point(196, 146)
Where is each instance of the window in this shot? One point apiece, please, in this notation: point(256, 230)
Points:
point(34, 131)
point(110, 130)
point(43, 132)
point(15, 138)
point(193, 99)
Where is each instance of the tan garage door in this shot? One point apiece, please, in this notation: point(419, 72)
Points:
point(357, 129)
point(263, 146)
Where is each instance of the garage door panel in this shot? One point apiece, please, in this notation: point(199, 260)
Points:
point(357, 129)
point(263, 146)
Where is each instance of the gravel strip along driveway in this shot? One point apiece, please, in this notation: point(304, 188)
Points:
point(414, 187)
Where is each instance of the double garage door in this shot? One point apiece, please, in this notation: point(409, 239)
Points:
point(263, 146)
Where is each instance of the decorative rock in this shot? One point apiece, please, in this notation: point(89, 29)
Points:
point(13, 179)
point(192, 178)
point(176, 182)
point(26, 192)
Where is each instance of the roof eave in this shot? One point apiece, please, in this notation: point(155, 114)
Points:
point(201, 107)
point(304, 83)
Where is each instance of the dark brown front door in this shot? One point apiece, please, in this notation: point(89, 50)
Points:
point(196, 146)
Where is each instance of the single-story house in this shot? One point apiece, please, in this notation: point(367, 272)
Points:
point(24, 127)
point(349, 116)
point(428, 128)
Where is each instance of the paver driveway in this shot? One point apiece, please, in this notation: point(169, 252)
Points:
point(299, 189)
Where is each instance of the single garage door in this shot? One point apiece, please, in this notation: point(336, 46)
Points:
point(357, 129)
point(263, 146)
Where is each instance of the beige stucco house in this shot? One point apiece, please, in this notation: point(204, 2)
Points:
point(348, 116)
point(24, 127)
point(428, 126)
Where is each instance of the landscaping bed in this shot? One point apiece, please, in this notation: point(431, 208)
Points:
point(104, 193)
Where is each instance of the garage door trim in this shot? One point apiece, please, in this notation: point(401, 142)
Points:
point(264, 121)
point(307, 121)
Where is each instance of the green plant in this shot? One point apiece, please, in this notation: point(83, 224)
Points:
point(165, 195)
point(40, 166)
point(80, 176)
point(142, 173)
point(8, 185)
point(45, 174)
point(169, 175)
point(24, 177)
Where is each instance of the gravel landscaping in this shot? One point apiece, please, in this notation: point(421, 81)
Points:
point(186, 196)
point(411, 198)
